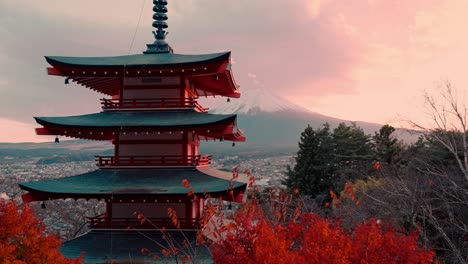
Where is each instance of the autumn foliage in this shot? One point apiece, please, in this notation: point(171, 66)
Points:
point(255, 237)
point(23, 240)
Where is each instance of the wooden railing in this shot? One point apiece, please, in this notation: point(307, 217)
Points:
point(187, 103)
point(101, 221)
point(124, 161)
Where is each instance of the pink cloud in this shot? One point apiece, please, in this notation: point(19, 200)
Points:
point(360, 60)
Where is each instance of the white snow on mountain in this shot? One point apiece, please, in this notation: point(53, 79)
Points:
point(257, 100)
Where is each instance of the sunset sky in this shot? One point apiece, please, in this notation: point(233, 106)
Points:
point(367, 60)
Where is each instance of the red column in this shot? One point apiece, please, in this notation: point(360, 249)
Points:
point(188, 214)
point(108, 214)
point(116, 146)
point(184, 147)
point(201, 207)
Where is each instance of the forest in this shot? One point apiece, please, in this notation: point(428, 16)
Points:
point(419, 187)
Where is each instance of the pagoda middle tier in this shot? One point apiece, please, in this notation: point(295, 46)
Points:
point(143, 126)
point(147, 139)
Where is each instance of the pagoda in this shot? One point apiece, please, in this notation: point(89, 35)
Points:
point(155, 123)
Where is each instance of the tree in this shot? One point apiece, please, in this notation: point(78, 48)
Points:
point(350, 144)
point(313, 170)
point(386, 147)
point(449, 125)
point(308, 238)
point(428, 194)
point(352, 154)
point(23, 240)
point(326, 160)
point(430, 155)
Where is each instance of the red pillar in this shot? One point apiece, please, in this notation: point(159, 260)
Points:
point(108, 214)
point(116, 146)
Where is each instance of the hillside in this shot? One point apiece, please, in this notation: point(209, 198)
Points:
point(271, 121)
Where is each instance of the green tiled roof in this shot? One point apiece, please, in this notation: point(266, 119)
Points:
point(160, 59)
point(100, 183)
point(137, 119)
point(125, 247)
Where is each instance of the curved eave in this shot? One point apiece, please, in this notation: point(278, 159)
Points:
point(226, 132)
point(235, 137)
point(34, 195)
point(136, 184)
point(124, 120)
point(93, 127)
point(105, 74)
point(136, 61)
point(204, 84)
point(221, 83)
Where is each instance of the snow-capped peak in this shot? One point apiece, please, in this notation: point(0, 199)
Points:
point(257, 100)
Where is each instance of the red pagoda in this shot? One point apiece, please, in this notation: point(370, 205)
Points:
point(153, 119)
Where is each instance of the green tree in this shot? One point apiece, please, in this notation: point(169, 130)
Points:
point(313, 170)
point(428, 153)
point(352, 154)
point(350, 144)
point(325, 160)
point(386, 147)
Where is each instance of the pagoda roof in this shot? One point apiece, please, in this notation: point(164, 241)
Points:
point(119, 246)
point(139, 60)
point(137, 119)
point(101, 184)
point(210, 73)
point(105, 125)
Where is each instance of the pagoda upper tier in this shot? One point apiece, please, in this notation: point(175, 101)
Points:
point(207, 75)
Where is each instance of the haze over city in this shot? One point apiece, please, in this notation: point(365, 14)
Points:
point(369, 60)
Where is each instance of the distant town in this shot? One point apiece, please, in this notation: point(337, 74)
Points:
point(67, 218)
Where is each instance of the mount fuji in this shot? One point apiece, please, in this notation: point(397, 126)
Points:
point(269, 121)
point(257, 101)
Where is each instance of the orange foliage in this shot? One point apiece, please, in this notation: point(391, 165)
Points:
point(23, 240)
point(173, 215)
point(296, 191)
point(312, 239)
point(377, 166)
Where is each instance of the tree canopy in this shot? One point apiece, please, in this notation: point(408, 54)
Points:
point(254, 237)
point(314, 168)
point(327, 159)
point(386, 146)
point(23, 239)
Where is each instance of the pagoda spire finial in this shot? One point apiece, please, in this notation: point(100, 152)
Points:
point(160, 17)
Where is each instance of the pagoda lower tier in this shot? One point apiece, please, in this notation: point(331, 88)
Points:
point(142, 186)
point(125, 246)
point(150, 192)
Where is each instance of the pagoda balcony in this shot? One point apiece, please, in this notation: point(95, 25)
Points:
point(101, 222)
point(152, 161)
point(152, 104)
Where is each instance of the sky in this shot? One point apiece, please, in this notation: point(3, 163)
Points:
point(366, 60)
